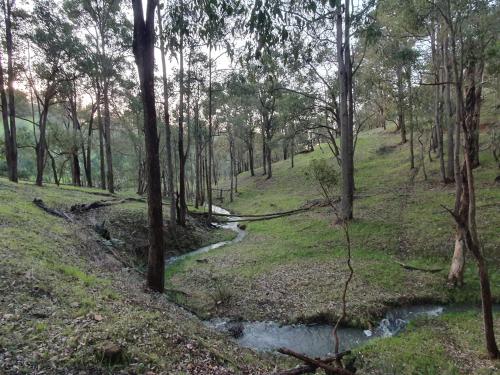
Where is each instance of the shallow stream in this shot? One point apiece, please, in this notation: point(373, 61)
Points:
point(313, 340)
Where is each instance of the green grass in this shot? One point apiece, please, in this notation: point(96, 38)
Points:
point(55, 277)
point(299, 260)
point(452, 344)
point(293, 268)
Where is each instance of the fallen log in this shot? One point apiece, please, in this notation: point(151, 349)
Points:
point(414, 268)
point(52, 211)
point(318, 363)
point(258, 219)
point(278, 214)
point(84, 207)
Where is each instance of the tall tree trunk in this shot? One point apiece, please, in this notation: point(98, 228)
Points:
point(469, 226)
point(144, 54)
point(401, 111)
point(166, 118)
point(102, 165)
point(345, 114)
point(264, 148)
point(438, 103)
point(9, 154)
point(465, 116)
point(13, 174)
point(269, 160)
point(107, 137)
point(88, 155)
point(75, 163)
point(42, 143)
point(448, 112)
point(231, 168)
point(182, 160)
point(410, 111)
point(210, 135)
point(476, 116)
point(250, 158)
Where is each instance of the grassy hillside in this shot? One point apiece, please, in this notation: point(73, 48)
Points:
point(292, 268)
point(68, 300)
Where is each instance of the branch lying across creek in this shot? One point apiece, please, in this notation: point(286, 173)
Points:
point(313, 364)
point(41, 204)
point(255, 217)
point(413, 268)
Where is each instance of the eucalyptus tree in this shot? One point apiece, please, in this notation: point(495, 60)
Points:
point(266, 76)
point(104, 26)
point(181, 28)
point(333, 24)
point(215, 24)
point(8, 98)
point(472, 27)
point(143, 47)
point(166, 114)
point(243, 98)
point(56, 48)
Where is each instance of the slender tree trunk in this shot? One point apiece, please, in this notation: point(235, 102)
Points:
point(88, 155)
point(166, 119)
point(144, 54)
point(107, 137)
point(438, 103)
point(448, 112)
point(401, 112)
point(264, 148)
point(75, 163)
point(250, 159)
point(197, 168)
point(345, 74)
point(472, 240)
point(102, 166)
point(9, 145)
point(410, 112)
point(54, 167)
point(42, 144)
point(476, 116)
point(268, 159)
point(182, 162)
point(13, 174)
point(210, 135)
point(231, 169)
point(465, 116)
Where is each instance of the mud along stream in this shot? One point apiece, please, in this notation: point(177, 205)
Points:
point(314, 340)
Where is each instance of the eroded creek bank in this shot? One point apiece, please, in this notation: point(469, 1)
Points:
point(314, 340)
point(123, 229)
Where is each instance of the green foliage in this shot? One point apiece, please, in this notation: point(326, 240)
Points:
point(323, 172)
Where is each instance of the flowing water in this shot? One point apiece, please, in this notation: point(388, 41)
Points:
point(317, 340)
point(313, 340)
point(240, 234)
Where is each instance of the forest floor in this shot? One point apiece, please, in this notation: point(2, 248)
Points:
point(72, 302)
point(292, 269)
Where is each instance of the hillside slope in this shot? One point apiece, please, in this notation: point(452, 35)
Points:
point(69, 304)
point(292, 269)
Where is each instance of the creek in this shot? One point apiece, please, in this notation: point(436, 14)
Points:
point(314, 340)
